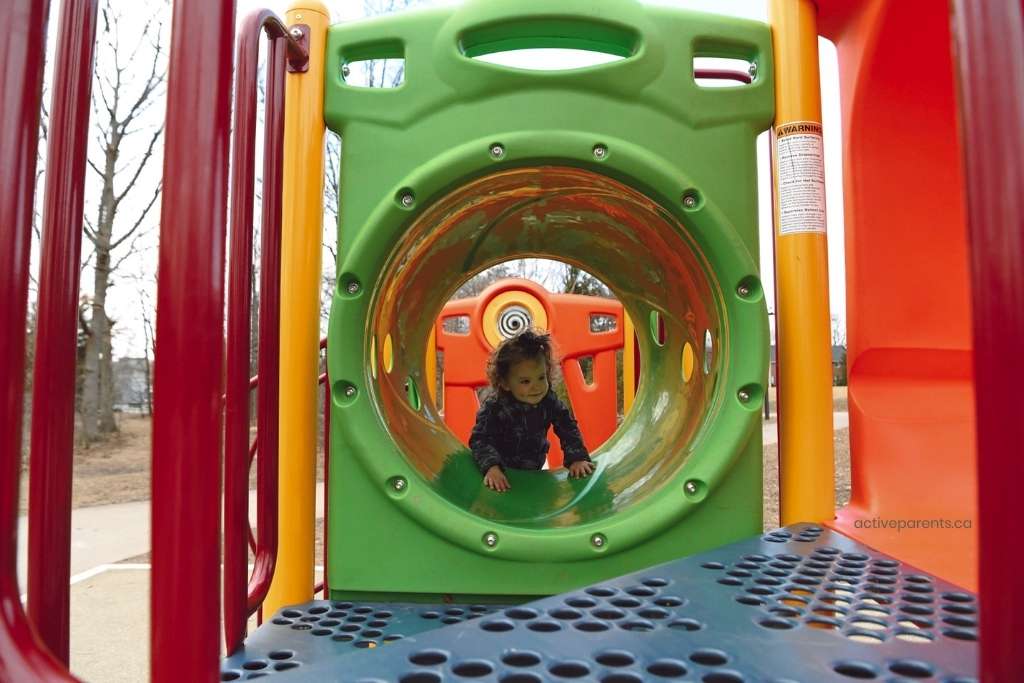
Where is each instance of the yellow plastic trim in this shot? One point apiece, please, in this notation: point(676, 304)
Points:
point(302, 212)
point(806, 467)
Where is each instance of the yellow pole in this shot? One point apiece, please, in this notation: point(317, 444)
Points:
point(806, 469)
point(302, 212)
point(628, 366)
point(430, 369)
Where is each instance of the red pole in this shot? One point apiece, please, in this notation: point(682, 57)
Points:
point(990, 40)
point(53, 396)
point(189, 364)
point(23, 657)
point(270, 328)
point(327, 466)
point(236, 418)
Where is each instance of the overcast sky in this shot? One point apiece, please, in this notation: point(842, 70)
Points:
point(126, 295)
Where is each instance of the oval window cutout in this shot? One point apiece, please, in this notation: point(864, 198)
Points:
point(553, 44)
point(548, 59)
point(688, 361)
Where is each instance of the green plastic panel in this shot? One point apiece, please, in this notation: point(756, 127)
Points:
point(628, 169)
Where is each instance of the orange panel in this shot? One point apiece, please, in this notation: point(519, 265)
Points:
point(910, 374)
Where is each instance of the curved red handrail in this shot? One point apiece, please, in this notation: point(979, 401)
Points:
point(244, 594)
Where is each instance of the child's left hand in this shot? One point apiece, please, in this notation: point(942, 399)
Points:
point(581, 468)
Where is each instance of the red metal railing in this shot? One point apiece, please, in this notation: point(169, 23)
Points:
point(22, 655)
point(324, 585)
point(243, 595)
point(990, 39)
point(53, 396)
point(189, 365)
point(723, 75)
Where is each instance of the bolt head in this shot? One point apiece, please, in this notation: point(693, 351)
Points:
point(689, 201)
point(399, 484)
point(490, 539)
point(752, 69)
point(296, 33)
point(497, 151)
point(743, 290)
point(350, 391)
point(353, 287)
point(407, 199)
point(744, 395)
point(346, 70)
point(690, 487)
point(598, 540)
point(600, 152)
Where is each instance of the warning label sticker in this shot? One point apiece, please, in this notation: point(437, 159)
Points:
point(800, 159)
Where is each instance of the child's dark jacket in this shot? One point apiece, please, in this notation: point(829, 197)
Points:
point(514, 434)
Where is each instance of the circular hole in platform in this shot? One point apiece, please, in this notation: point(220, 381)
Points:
point(614, 658)
point(960, 634)
point(777, 623)
point(569, 669)
point(565, 613)
point(428, 657)
point(580, 602)
point(281, 655)
point(855, 669)
point(521, 677)
point(638, 625)
point(497, 626)
point(420, 677)
point(686, 624)
point(667, 668)
point(591, 626)
point(544, 626)
point(473, 668)
point(521, 658)
point(956, 596)
point(709, 657)
point(912, 668)
point(722, 677)
point(621, 677)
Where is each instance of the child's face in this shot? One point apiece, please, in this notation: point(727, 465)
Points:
point(527, 381)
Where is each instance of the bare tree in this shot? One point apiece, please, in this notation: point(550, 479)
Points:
point(130, 76)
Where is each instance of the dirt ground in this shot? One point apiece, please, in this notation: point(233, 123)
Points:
point(118, 471)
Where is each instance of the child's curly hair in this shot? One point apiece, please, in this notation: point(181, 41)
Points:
point(530, 344)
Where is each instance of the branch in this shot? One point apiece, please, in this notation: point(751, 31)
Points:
point(131, 253)
point(88, 230)
point(152, 81)
point(140, 168)
point(142, 217)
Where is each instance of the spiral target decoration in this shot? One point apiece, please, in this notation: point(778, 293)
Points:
point(513, 320)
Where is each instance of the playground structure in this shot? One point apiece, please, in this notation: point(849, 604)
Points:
point(468, 164)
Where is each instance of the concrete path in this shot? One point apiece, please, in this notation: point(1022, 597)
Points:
point(109, 534)
point(770, 430)
point(106, 534)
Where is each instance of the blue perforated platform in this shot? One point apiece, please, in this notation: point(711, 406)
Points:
point(799, 604)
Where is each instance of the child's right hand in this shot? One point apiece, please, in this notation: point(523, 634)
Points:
point(495, 479)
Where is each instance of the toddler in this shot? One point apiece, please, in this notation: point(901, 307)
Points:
point(512, 423)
